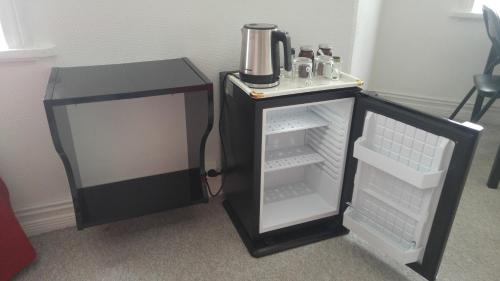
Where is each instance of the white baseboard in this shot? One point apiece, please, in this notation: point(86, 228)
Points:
point(45, 218)
point(444, 108)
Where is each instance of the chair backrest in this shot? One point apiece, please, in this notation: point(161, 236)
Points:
point(492, 22)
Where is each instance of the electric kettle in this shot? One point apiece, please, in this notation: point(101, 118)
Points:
point(260, 55)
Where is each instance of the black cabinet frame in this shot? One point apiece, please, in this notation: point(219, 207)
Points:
point(113, 201)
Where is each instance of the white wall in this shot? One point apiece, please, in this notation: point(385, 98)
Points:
point(101, 32)
point(365, 38)
point(121, 140)
point(424, 54)
point(28, 163)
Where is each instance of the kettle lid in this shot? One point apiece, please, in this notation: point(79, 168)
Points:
point(260, 26)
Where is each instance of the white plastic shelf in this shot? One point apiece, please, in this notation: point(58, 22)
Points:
point(291, 157)
point(289, 121)
point(403, 251)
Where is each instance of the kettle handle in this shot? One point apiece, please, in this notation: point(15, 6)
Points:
point(283, 37)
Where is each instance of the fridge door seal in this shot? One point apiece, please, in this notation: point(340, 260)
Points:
point(461, 146)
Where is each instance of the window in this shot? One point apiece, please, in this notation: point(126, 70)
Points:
point(3, 42)
point(10, 32)
point(13, 43)
point(478, 5)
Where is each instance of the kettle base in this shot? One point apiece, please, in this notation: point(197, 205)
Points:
point(262, 86)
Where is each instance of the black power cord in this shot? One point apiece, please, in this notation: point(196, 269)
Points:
point(213, 173)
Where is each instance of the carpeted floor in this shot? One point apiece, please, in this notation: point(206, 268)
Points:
point(200, 243)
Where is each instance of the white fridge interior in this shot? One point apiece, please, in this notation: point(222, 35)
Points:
point(397, 186)
point(303, 160)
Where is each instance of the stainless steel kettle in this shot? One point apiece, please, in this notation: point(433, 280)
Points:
point(260, 56)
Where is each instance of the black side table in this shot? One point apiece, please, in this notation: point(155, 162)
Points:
point(113, 201)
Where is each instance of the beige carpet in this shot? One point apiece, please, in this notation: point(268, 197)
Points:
point(200, 243)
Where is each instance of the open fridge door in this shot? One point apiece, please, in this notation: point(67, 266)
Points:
point(404, 180)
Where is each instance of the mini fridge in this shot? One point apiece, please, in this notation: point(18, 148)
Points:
point(307, 162)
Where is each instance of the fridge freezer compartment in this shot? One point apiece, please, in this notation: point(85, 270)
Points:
point(283, 121)
point(357, 223)
point(419, 179)
point(290, 157)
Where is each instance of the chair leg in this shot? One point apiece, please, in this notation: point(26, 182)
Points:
point(485, 108)
point(477, 107)
point(495, 172)
point(462, 103)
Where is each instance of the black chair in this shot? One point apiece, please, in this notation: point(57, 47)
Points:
point(495, 172)
point(487, 84)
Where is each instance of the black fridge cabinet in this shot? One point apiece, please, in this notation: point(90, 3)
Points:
point(310, 166)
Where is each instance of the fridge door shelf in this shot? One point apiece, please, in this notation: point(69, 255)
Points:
point(419, 179)
point(416, 148)
point(403, 251)
point(284, 122)
point(290, 157)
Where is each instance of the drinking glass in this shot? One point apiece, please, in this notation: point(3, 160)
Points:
point(303, 69)
point(337, 68)
point(324, 68)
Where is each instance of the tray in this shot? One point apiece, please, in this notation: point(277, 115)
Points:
point(289, 86)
